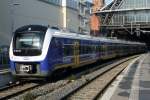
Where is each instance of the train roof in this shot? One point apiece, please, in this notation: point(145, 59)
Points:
point(65, 34)
point(32, 28)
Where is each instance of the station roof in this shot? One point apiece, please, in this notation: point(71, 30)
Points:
point(127, 16)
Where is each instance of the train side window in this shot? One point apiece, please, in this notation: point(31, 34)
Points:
point(94, 48)
point(86, 49)
point(101, 49)
point(97, 49)
point(104, 48)
point(83, 49)
point(90, 49)
point(80, 49)
point(68, 50)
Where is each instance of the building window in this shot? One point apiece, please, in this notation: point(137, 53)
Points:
point(72, 4)
point(56, 2)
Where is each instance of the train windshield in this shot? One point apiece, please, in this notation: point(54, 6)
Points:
point(28, 41)
point(28, 44)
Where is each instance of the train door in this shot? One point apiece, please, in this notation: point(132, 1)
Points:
point(76, 53)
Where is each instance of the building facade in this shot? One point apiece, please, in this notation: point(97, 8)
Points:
point(17, 13)
point(96, 20)
point(60, 13)
point(84, 16)
point(5, 22)
point(70, 15)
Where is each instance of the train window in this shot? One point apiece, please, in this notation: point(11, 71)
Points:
point(94, 48)
point(90, 49)
point(29, 41)
point(86, 49)
point(101, 48)
point(83, 49)
point(68, 50)
point(97, 49)
point(104, 47)
point(80, 49)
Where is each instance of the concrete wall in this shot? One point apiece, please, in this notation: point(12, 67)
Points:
point(16, 13)
point(36, 12)
point(5, 22)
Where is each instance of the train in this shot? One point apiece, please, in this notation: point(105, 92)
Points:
point(36, 51)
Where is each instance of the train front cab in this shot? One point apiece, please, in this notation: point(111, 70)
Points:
point(30, 69)
point(28, 52)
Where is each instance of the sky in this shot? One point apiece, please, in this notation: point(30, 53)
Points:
point(108, 1)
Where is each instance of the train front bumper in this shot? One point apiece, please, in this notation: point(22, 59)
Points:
point(26, 75)
point(29, 70)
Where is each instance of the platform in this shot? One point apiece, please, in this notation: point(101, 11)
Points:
point(133, 83)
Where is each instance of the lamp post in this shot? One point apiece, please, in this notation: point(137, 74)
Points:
point(12, 11)
point(131, 29)
point(138, 30)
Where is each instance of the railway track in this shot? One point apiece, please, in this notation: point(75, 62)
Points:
point(90, 86)
point(95, 88)
point(59, 90)
point(14, 90)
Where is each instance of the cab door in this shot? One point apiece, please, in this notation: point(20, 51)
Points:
point(76, 53)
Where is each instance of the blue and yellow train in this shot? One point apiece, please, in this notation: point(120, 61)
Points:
point(37, 51)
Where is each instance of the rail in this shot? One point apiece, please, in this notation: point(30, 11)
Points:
point(70, 89)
